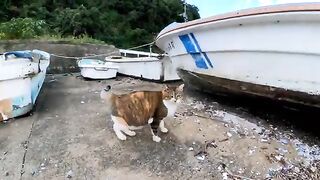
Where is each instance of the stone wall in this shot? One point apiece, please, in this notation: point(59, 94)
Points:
point(63, 48)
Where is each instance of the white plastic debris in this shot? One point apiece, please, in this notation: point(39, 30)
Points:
point(201, 157)
point(69, 174)
point(225, 176)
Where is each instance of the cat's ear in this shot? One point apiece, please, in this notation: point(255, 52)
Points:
point(180, 88)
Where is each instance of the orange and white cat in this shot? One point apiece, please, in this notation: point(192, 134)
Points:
point(139, 108)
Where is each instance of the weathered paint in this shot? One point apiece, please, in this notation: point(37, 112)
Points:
point(21, 81)
point(5, 109)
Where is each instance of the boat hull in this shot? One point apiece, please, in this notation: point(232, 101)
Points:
point(20, 84)
point(218, 85)
point(270, 54)
point(150, 68)
point(97, 69)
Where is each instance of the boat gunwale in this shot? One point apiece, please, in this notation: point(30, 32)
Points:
point(131, 60)
point(274, 9)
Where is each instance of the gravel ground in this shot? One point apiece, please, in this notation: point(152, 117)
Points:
point(70, 136)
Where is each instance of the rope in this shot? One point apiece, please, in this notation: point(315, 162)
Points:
point(107, 54)
point(148, 44)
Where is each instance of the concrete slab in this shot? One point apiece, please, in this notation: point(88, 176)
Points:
point(70, 136)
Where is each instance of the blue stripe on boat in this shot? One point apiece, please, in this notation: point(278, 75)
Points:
point(198, 46)
point(191, 49)
point(188, 44)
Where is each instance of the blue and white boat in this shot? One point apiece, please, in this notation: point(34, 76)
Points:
point(269, 52)
point(22, 74)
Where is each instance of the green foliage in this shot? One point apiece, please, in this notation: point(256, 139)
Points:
point(71, 39)
point(22, 28)
point(124, 23)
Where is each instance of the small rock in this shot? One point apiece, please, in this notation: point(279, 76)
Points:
point(197, 121)
point(313, 169)
point(296, 170)
point(82, 102)
point(251, 151)
point(278, 157)
point(69, 174)
point(284, 141)
point(190, 148)
point(212, 144)
point(240, 171)
point(229, 134)
point(199, 106)
point(6, 173)
point(282, 151)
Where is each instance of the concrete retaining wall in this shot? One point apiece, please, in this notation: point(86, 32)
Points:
point(63, 48)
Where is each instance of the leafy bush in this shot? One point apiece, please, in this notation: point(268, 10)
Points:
point(22, 28)
point(124, 23)
point(76, 40)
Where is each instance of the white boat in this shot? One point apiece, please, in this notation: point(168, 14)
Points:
point(270, 51)
point(144, 65)
point(97, 69)
point(22, 74)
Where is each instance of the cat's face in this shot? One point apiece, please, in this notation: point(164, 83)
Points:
point(171, 97)
point(173, 94)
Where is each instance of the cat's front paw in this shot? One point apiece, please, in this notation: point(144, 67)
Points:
point(164, 130)
point(156, 138)
point(121, 137)
point(131, 133)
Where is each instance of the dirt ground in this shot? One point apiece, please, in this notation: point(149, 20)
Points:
point(70, 136)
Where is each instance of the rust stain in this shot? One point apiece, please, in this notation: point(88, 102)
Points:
point(5, 109)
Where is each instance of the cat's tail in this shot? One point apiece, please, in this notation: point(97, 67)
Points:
point(106, 93)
